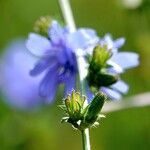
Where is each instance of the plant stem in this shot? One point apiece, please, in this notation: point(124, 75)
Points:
point(68, 16)
point(85, 139)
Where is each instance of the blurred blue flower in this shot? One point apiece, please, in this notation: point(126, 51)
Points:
point(120, 61)
point(17, 86)
point(57, 57)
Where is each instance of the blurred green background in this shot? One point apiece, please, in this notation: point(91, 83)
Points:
point(41, 129)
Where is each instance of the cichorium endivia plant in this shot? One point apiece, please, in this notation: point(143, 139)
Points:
point(56, 48)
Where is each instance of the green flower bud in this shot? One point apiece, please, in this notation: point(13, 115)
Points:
point(78, 115)
point(74, 105)
point(42, 24)
point(100, 56)
point(92, 112)
point(101, 79)
point(97, 72)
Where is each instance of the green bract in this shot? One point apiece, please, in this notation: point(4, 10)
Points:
point(100, 56)
point(97, 71)
point(79, 115)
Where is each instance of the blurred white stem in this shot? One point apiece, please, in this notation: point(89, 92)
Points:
point(67, 14)
point(140, 100)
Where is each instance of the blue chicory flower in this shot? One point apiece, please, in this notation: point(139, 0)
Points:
point(18, 87)
point(120, 61)
point(57, 57)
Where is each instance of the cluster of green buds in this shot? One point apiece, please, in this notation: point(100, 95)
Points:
point(80, 114)
point(98, 75)
point(42, 24)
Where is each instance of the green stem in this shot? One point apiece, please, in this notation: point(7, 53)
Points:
point(68, 16)
point(85, 139)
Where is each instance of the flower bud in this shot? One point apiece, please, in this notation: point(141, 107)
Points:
point(42, 24)
point(79, 116)
point(93, 110)
point(98, 75)
point(74, 104)
point(100, 56)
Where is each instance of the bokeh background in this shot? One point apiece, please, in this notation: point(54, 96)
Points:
point(40, 129)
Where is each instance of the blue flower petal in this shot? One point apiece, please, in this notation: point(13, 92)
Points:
point(55, 33)
point(111, 44)
point(61, 56)
point(71, 57)
point(42, 65)
point(19, 88)
point(38, 45)
point(48, 86)
point(82, 38)
point(89, 93)
point(70, 84)
point(119, 42)
point(107, 40)
point(126, 59)
point(114, 95)
point(115, 68)
point(120, 86)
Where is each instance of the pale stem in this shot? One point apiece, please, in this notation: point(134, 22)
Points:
point(85, 139)
point(137, 101)
point(67, 14)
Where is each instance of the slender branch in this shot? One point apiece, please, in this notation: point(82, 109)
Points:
point(67, 13)
point(140, 100)
point(68, 16)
